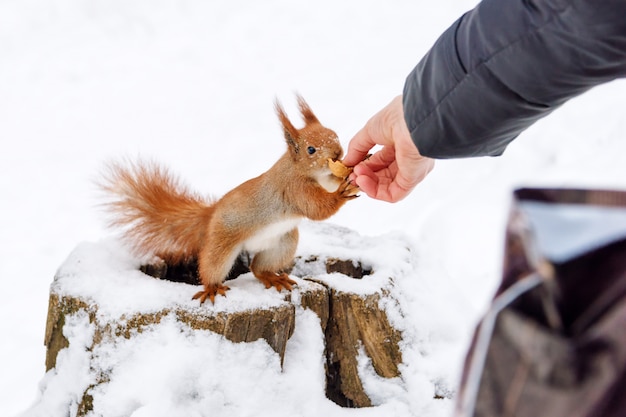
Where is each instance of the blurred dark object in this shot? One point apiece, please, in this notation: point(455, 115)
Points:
point(554, 340)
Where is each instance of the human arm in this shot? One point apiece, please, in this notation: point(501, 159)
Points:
point(497, 70)
point(506, 64)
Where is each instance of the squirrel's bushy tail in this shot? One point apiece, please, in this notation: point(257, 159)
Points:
point(159, 215)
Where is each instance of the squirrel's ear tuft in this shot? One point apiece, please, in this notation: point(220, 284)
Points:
point(291, 133)
point(305, 110)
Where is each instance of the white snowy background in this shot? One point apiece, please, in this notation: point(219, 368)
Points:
point(191, 83)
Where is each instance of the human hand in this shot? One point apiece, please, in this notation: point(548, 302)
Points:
point(392, 172)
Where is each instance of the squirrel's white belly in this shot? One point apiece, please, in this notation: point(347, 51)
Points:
point(269, 236)
point(328, 181)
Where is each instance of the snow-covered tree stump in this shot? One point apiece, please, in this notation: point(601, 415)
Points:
point(104, 284)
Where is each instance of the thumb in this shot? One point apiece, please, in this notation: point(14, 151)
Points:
point(358, 148)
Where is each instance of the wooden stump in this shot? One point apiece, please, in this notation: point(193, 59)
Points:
point(357, 322)
point(275, 325)
point(351, 322)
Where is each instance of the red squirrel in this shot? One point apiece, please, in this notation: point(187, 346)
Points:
point(261, 216)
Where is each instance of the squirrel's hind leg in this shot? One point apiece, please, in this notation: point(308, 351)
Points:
point(267, 265)
point(214, 264)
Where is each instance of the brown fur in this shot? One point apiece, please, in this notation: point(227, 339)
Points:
point(160, 215)
point(163, 217)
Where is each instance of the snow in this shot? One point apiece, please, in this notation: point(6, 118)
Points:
point(168, 369)
point(191, 84)
point(97, 272)
point(65, 384)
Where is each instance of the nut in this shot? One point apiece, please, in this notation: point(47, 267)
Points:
point(338, 169)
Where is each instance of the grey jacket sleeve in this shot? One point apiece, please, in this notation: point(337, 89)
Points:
point(506, 64)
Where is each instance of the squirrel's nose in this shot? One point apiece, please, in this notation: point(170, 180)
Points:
point(337, 155)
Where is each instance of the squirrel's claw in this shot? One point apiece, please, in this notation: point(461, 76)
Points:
point(210, 292)
point(348, 190)
point(278, 281)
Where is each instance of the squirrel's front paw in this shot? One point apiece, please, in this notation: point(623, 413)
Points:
point(210, 292)
point(348, 190)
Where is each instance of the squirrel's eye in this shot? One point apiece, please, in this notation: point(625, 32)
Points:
point(311, 150)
